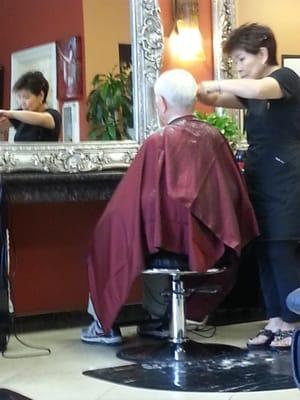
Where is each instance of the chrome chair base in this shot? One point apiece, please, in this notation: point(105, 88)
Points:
point(168, 352)
point(178, 347)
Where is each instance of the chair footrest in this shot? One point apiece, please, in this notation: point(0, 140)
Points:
point(204, 289)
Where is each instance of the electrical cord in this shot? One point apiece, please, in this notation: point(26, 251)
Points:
point(206, 331)
point(201, 329)
point(45, 351)
point(6, 241)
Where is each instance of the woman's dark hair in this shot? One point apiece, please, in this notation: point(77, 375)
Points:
point(251, 37)
point(35, 82)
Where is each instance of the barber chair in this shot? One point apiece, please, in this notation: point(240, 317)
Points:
point(178, 347)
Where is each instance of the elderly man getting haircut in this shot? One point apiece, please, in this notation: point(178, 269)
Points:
point(181, 203)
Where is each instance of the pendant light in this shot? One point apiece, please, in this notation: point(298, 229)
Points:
point(185, 39)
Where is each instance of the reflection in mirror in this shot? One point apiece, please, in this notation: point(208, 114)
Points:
point(147, 46)
point(215, 19)
point(146, 42)
point(106, 27)
point(91, 21)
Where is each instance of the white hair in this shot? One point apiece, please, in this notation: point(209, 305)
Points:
point(178, 87)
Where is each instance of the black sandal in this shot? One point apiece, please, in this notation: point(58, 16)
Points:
point(265, 345)
point(280, 335)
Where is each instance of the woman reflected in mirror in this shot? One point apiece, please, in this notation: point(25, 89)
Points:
point(33, 121)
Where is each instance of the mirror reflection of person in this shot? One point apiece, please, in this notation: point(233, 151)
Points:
point(34, 121)
point(271, 97)
point(182, 203)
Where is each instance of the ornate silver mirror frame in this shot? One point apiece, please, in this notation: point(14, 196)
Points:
point(224, 20)
point(147, 47)
point(223, 17)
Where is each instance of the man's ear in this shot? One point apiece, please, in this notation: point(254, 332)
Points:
point(162, 104)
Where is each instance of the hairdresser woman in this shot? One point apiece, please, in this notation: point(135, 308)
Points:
point(271, 96)
point(34, 121)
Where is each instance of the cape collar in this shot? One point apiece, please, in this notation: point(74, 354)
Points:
point(182, 117)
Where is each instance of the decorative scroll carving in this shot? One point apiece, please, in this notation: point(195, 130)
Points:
point(67, 157)
point(147, 60)
point(151, 36)
point(223, 24)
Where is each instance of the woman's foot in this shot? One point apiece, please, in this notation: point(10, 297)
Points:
point(282, 340)
point(265, 336)
point(283, 337)
point(261, 341)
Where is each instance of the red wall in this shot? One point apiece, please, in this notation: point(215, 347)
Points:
point(48, 248)
point(29, 23)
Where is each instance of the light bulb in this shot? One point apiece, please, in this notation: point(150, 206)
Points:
point(186, 42)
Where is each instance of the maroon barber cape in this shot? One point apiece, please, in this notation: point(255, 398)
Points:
point(182, 193)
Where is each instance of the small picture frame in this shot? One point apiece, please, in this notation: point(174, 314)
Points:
point(291, 61)
point(69, 68)
point(71, 122)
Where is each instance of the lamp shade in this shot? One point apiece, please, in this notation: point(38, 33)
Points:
point(185, 39)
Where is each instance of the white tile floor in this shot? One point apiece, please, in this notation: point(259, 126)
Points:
point(59, 376)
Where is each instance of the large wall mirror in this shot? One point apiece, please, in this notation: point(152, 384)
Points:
point(146, 34)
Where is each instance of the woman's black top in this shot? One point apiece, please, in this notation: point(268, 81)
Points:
point(34, 133)
point(272, 167)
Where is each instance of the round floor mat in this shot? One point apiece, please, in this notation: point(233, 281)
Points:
point(6, 394)
point(242, 372)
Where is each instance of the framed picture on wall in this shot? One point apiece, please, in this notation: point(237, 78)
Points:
point(291, 61)
point(69, 68)
point(125, 55)
point(70, 122)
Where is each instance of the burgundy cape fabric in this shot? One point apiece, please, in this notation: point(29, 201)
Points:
point(182, 193)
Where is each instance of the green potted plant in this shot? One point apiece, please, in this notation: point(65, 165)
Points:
point(224, 123)
point(110, 106)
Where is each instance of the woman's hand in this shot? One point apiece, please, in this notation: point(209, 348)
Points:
point(4, 122)
point(4, 114)
point(207, 94)
point(210, 87)
point(213, 93)
point(43, 119)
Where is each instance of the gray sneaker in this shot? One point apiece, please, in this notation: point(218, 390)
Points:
point(156, 330)
point(95, 334)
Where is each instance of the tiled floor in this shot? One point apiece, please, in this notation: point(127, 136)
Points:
point(59, 376)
